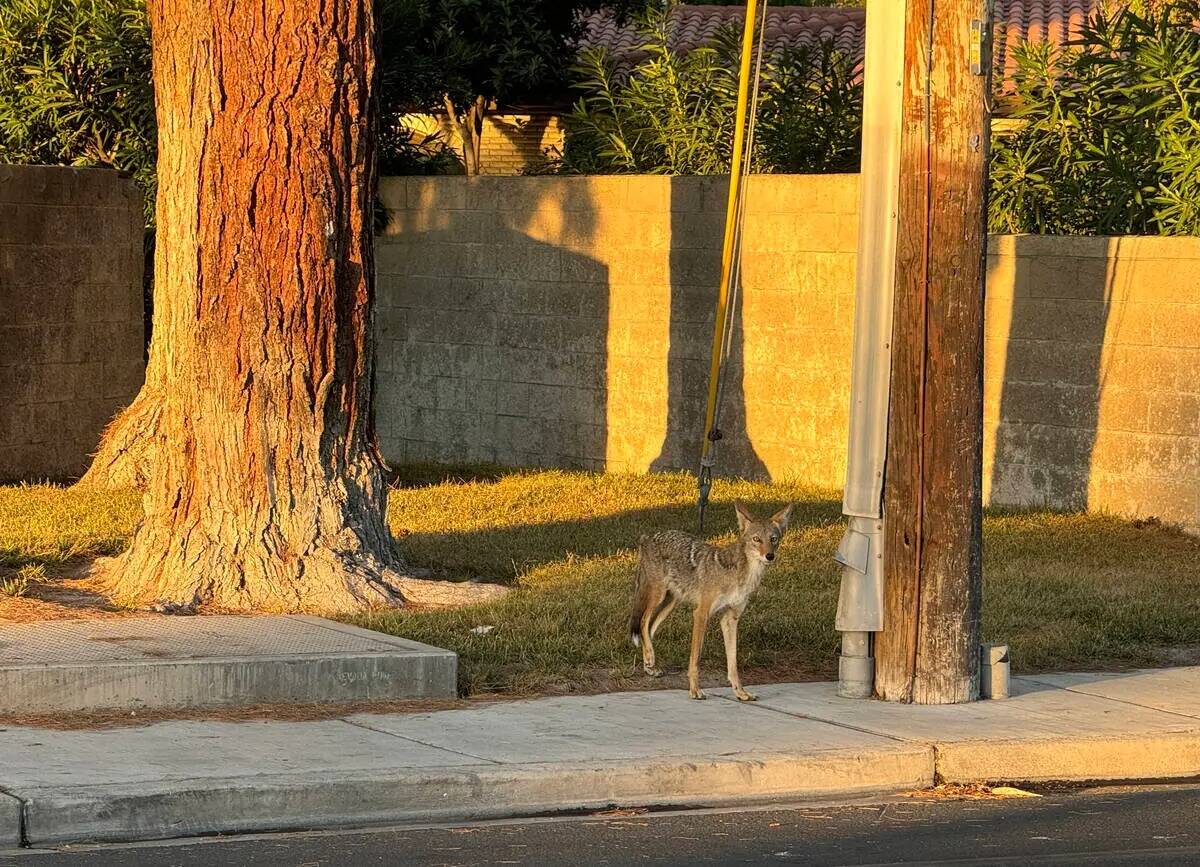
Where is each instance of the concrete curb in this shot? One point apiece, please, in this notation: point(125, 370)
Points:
point(305, 801)
point(214, 661)
point(10, 822)
point(1169, 755)
point(539, 756)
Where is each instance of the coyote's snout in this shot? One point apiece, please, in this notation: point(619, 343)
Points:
point(674, 567)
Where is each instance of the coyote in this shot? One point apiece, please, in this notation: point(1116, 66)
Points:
point(674, 566)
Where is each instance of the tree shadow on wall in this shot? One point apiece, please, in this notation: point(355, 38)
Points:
point(697, 233)
point(493, 332)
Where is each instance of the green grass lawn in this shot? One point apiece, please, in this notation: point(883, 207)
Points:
point(1066, 591)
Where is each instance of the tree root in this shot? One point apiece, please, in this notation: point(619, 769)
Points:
point(428, 593)
point(323, 584)
point(122, 459)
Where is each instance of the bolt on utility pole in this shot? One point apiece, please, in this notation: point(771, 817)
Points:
point(928, 649)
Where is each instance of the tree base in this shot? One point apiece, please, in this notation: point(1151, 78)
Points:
point(324, 585)
point(211, 567)
point(122, 459)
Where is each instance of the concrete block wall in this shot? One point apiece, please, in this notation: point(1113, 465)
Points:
point(71, 314)
point(1092, 387)
point(567, 322)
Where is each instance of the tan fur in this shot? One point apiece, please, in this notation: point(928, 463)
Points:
point(675, 567)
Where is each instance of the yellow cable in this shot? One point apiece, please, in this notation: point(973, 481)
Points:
point(731, 214)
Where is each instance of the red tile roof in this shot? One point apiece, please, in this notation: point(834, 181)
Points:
point(1056, 21)
point(693, 26)
point(794, 26)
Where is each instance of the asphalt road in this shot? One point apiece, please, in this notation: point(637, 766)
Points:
point(1113, 825)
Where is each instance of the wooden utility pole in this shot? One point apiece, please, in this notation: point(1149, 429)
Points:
point(928, 651)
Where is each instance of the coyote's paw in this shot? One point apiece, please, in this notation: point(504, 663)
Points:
point(697, 693)
point(653, 670)
point(742, 695)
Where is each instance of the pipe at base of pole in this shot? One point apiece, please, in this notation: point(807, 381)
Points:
point(856, 667)
point(994, 668)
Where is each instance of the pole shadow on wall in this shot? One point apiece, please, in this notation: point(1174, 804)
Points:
point(697, 232)
point(1049, 410)
point(499, 327)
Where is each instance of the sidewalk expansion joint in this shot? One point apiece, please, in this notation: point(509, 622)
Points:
point(22, 816)
point(1074, 691)
point(834, 723)
point(937, 763)
point(412, 740)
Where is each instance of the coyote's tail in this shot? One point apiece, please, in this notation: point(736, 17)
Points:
point(639, 602)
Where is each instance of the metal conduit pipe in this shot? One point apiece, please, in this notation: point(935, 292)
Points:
point(860, 603)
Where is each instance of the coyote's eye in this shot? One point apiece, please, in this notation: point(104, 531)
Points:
point(756, 539)
point(774, 540)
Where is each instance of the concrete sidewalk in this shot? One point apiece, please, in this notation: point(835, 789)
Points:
point(799, 741)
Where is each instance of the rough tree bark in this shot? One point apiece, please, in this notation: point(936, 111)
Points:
point(264, 487)
point(123, 458)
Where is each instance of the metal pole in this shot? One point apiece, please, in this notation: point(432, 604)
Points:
point(731, 214)
point(733, 209)
point(860, 603)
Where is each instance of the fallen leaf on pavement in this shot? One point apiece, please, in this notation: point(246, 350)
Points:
point(1013, 792)
point(970, 792)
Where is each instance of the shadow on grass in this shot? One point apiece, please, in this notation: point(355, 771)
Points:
point(564, 630)
point(424, 475)
point(1065, 591)
point(504, 553)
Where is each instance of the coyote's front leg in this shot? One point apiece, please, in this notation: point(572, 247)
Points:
point(729, 624)
point(699, 627)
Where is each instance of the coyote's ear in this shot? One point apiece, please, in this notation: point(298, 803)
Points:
point(744, 517)
point(781, 518)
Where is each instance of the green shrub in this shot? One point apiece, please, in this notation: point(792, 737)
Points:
point(674, 112)
point(401, 153)
point(76, 89)
point(75, 86)
point(1111, 142)
point(811, 118)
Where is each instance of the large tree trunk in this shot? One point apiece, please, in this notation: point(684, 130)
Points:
point(264, 486)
